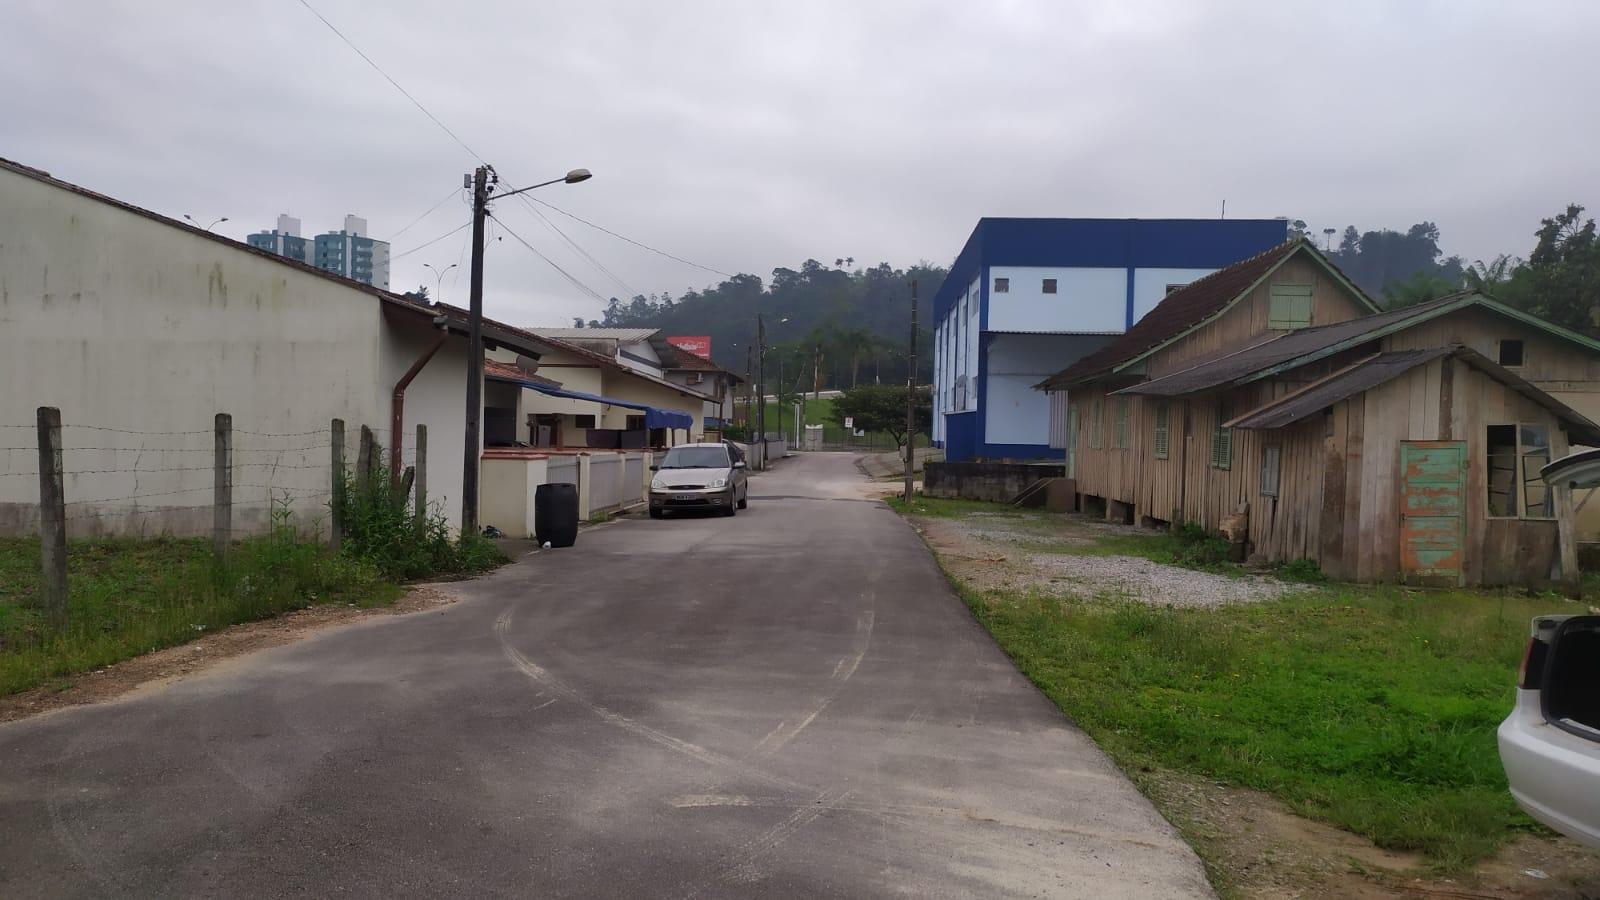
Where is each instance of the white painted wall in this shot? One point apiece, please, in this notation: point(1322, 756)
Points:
point(1086, 300)
point(130, 323)
point(1016, 413)
point(1150, 286)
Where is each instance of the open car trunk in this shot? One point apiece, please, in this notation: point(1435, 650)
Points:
point(1569, 687)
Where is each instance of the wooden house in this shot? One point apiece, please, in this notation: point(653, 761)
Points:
point(1274, 397)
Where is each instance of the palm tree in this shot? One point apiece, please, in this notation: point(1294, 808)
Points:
point(1490, 277)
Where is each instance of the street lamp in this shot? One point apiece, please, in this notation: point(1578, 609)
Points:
point(438, 278)
point(481, 186)
point(196, 222)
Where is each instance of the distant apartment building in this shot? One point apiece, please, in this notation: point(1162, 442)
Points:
point(285, 240)
point(349, 252)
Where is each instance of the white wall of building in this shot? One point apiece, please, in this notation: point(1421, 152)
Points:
point(1015, 413)
point(1150, 286)
point(125, 322)
point(1086, 300)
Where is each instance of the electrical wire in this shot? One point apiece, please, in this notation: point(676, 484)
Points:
point(623, 237)
point(627, 290)
point(454, 192)
point(572, 279)
point(376, 68)
point(432, 242)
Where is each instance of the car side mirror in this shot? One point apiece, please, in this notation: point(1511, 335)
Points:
point(655, 468)
point(739, 464)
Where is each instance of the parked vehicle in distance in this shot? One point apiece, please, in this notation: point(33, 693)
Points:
point(1550, 744)
point(700, 477)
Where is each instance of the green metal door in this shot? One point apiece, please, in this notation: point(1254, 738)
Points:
point(1432, 510)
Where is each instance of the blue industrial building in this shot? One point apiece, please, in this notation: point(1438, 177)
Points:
point(1028, 297)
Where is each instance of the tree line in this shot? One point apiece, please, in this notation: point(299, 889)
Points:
point(827, 327)
point(1559, 279)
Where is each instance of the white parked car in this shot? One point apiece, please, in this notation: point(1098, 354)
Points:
point(1550, 744)
point(700, 477)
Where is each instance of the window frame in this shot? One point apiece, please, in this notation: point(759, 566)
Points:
point(1277, 322)
point(1222, 438)
point(1120, 413)
point(1519, 473)
point(1274, 452)
point(1002, 285)
point(1500, 352)
point(1049, 285)
point(578, 420)
point(1162, 442)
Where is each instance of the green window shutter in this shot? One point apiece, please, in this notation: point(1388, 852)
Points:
point(1119, 436)
point(1222, 438)
point(1163, 430)
point(1290, 307)
point(1095, 423)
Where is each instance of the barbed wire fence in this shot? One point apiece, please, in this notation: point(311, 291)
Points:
point(98, 480)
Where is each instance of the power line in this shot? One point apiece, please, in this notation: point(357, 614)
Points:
point(376, 68)
point(432, 242)
point(454, 192)
point(623, 237)
point(615, 279)
point(572, 279)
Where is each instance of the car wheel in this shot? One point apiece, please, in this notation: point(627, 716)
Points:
point(655, 513)
point(744, 502)
point(730, 510)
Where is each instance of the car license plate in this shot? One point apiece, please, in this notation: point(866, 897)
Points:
point(683, 496)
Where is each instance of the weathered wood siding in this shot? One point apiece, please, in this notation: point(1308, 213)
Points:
point(1246, 322)
point(1444, 400)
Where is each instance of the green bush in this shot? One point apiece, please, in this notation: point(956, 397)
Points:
point(382, 527)
point(1196, 548)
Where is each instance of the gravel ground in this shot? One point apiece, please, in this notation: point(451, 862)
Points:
point(1135, 578)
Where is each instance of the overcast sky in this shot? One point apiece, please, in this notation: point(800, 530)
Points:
point(749, 135)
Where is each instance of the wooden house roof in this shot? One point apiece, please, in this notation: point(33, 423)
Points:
point(1186, 309)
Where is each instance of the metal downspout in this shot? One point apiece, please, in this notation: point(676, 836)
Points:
point(397, 406)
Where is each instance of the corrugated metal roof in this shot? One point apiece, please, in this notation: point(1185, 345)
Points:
point(1384, 367)
point(625, 335)
point(1274, 350)
point(513, 372)
point(1345, 383)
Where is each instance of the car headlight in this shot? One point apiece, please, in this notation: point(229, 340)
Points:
point(717, 482)
point(657, 483)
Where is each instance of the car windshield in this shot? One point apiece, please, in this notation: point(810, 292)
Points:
point(696, 458)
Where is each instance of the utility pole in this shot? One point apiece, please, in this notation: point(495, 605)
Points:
point(911, 396)
point(470, 453)
point(761, 387)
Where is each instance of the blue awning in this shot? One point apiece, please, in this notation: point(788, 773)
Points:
point(654, 417)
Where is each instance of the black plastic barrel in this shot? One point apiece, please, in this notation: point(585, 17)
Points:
point(555, 514)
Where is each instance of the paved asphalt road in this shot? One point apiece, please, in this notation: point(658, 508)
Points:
point(791, 703)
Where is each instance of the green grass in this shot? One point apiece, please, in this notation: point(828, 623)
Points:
point(128, 597)
point(1372, 708)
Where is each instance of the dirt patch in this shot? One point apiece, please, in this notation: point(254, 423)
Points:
point(176, 663)
point(1258, 848)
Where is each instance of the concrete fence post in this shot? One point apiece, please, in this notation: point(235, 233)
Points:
point(336, 488)
point(422, 476)
point(52, 517)
point(222, 487)
point(364, 462)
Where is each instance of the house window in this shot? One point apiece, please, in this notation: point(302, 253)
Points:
point(636, 423)
point(1049, 285)
point(1096, 424)
point(1515, 454)
point(1222, 438)
point(1510, 352)
point(1119, 429)
point(1290, 307)
point(1271, 461)
point(1002, 285)
point(1163, 430)
point(583, 421)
